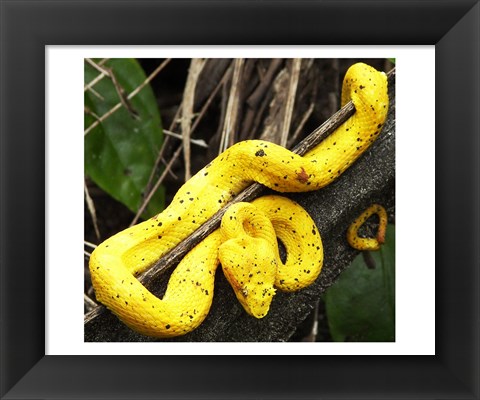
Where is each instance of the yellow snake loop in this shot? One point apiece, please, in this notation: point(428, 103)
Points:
point(247, 249)
point(361, 243)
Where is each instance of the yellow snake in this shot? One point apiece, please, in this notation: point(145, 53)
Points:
point(245, 244)
point(361, 243)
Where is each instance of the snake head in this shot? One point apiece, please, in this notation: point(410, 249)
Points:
point(250, 266)
point(257, 301)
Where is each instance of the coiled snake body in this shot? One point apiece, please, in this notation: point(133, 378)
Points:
point(246, 243)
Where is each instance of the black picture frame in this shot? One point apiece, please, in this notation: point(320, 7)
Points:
point(28, 26)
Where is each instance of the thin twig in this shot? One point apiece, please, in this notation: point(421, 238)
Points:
point(87, 111)
point(292, 90)
point(90, 244)
point(313, 100)
point(157, 185)
point(232, 107)
point(91, 209)
point(198, 142)
point(89, 303)
point(194, 71)
point(301, 124)
point(131, 95)
point(121, 94)
point(99, 68)
point(209, 100)
point(98, 78)
point(174, 122)
point(96, 94)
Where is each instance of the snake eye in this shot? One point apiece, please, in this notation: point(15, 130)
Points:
point(245, 292)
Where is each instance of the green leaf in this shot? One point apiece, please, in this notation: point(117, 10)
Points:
point(120, 152)
point(361, 304)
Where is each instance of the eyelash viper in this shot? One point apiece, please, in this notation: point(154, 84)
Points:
point(245, 244)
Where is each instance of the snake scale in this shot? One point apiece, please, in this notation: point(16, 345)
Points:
point(246, 243)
